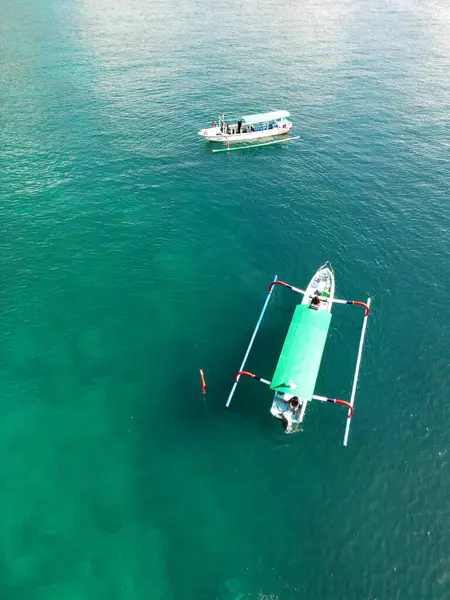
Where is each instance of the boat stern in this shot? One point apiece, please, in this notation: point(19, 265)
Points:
point(282, 410)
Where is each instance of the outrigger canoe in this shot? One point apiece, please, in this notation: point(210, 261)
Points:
point(296, 372)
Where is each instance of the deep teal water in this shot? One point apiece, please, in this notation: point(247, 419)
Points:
point(131, 256)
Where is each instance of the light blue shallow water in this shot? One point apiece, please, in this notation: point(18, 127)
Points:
point(131, 256)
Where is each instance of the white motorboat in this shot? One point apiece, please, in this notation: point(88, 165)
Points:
point(249, 128)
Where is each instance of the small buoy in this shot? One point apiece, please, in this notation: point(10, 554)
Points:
point(202, 377)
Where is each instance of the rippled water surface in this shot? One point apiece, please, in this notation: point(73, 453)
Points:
point(131, 256)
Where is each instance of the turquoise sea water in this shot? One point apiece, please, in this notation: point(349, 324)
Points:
point(131, 256)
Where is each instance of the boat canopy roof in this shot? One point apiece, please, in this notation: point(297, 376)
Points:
point(298, 366)
point(263, 117)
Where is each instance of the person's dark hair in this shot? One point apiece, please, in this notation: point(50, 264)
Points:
point(294, 400)
point(315, 300)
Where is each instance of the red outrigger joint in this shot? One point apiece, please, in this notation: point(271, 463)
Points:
point(344, 403)
point(362, 304)
point(243, 373)
point(277, 282)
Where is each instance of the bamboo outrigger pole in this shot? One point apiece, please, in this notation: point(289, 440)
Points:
point(241, 368)
point(355, 379)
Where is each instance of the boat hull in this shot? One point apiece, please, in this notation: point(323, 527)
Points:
point(213, 134)
point(322, 285)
